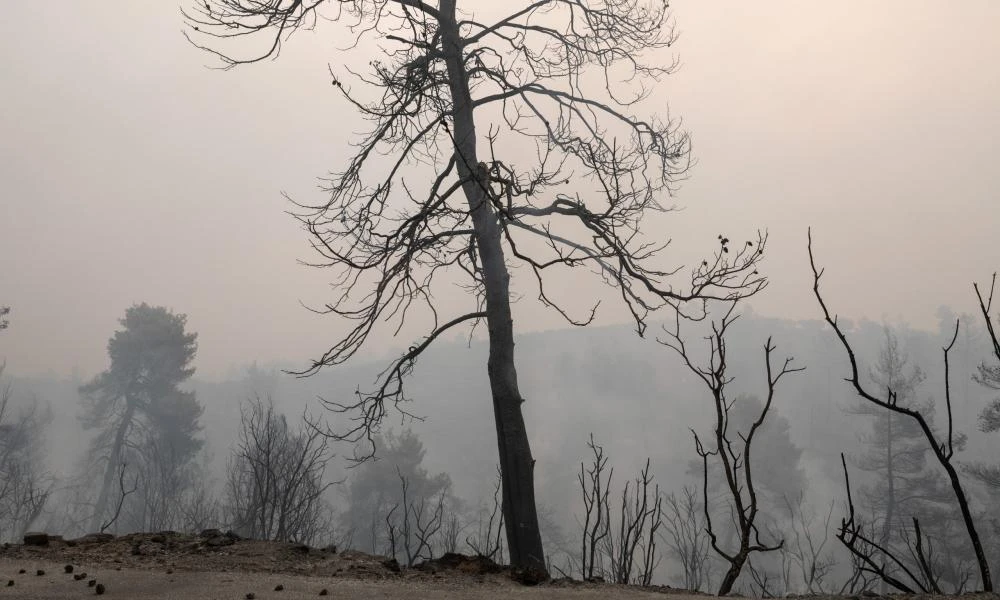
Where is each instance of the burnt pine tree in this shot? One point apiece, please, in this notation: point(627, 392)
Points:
point(493, 142)
point(138, 397)
point(897, 450)
point(943, 447)
point(906, 485)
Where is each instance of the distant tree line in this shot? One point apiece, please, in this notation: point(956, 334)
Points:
point(913, 517)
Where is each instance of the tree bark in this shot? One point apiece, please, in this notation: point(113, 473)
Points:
point(732, 573)
point(524, 540)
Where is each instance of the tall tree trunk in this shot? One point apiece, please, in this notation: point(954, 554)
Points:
point(524, 539)
point(890, 497)
point(112, 467)
point(733, 573)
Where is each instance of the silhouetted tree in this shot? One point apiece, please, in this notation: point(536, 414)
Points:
point(558, 78)
point(686, 535)
point(731, 453)
point(413, 524)
point(141, 416)
point(778, 474)
point(486, 539)
point(376, 487)
point(25, 485)
point(275, 482)
point(167, 452)
point(619, 532)
point(853, 533)
point(807, 549)
point(904, 486)
point(988, 375)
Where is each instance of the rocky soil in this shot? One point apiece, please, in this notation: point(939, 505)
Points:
point(214, 564)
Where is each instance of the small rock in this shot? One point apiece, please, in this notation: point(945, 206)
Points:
point(40, 572)
point(99, 590)
point(36, 538)
point(158, 539)
point(324, 592)
point(80, 576)
point(250, 596)
point(279, 587)
point(21, 572)
point(92, 583)
point(68, 568)
point(10, 583)
point(170, 571)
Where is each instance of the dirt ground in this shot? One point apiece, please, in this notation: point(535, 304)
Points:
point(202, 567)
point(143, 584)
point(214, 565)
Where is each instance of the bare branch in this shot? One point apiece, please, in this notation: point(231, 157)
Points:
point(735, 459)
point(943, 451)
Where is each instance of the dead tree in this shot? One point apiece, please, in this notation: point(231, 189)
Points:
point(988, 376)
point(872, 556)
point(200, 508)
point(943, 449)
point(25, 486)
point(807, 550)
point(685, 534)
point(596, 525)
point(487, 540)
point(734, 456)
point(454, 102)
point(987, 373)
point(275, 484)
point(627, 552)
point(632, 553)
point(415, 529)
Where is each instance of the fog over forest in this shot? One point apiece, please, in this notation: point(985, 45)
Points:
point(173, 359)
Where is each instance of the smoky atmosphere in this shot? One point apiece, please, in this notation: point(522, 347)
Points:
point(461, 299)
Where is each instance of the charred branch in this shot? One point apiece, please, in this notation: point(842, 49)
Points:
point(733, 455)
point(943, 450)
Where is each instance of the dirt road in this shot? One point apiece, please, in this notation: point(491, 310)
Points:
point(138, 584)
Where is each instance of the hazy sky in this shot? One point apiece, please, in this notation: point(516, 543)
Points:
point(129, 172)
